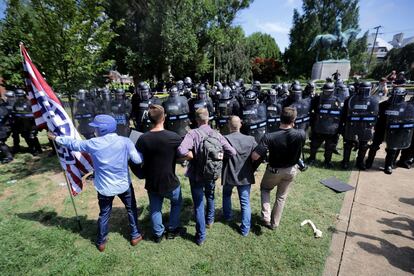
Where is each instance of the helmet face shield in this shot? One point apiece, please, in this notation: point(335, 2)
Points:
point(144, 94)
point(173, 91)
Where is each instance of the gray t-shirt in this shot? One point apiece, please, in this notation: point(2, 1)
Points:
point(238, 169)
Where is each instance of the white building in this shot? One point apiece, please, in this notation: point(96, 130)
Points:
point(381, 47)
point(398, 40)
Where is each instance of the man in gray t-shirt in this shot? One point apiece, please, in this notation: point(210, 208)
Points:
point(238, 170)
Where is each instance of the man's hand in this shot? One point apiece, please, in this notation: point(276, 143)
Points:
point(51, 136)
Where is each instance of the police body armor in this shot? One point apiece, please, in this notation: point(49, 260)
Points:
point(195, 104)
point(141, 120)
point(23, 117)
point(226, 107)
point(273, 111)
point(362, 113)
point(177, 120)
point(254, 120)
point(303, 118)
point(84, 114)
point(120, 110)
point(328, 115)
point(399, 125)
point(103, 105)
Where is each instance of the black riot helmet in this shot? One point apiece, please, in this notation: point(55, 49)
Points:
point(284, 89)
point(328, 88)
point(81, 94)
point(218, 86)
point(9, 94)
point(397, 95)
point(106, 94)
point(144, 91)
point(343, 91)
point(201, 93)
point(364, 89)
point(188, 82)
point(250, 97)
point(351, 89)
point(295, 92)
point(180, 85)
point(272, 96)
point(241, 82)
point(309, 89)
point(257, 86)
point(19, 93)
point(119, 93)
point(226, 93)
point(173, 91)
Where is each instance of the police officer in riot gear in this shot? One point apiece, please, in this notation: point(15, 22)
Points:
point(139, 113)
point(25, 123)
point(5, 129)
point(215, 93)
point(302, 106)
point(120, 110)
point(273, 111)
point(407, 155)
point(226, 107)
point(84, 114)
point(358, 118)
point(327, 109)
point(253, 115)
point(309, 91)
point(104, 102)
point(283, 93)
point(177, 110)
point(395, 125)
point(11, 100)
point(180, 87)
point(188, 87)
point(201, 101)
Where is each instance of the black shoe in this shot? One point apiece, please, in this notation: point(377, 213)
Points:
point(6, 160)
point(310, 161)
point(388, 170)
point(328, 165)
point(403, 164)
point(177, 232)
point(335, 151)
point(361, 166)
point(345, 165)
point(158, 239)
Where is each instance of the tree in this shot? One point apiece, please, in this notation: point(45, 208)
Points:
point(267, 69)
point(319, 17)
point(159, 37)
point(65, 39)
point(263, 46)
point(399, 59)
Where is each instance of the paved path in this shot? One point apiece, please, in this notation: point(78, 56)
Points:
point(375, 230)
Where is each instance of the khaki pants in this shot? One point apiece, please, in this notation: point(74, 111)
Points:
point(282, 180)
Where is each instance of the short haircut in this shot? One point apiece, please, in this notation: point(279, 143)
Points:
point(288, 115)
point(234, 123)
point(156, 113)
point(202, 114)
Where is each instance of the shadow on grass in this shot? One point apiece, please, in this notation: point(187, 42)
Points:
point(25, 165)
point(256, 227)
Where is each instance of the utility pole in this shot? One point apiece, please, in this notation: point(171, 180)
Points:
point(373, 45)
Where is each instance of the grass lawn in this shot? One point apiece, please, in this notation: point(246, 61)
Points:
point(39, 234)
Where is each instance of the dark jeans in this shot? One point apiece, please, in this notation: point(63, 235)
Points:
point(156, 201)
point(198, 191)
point(105, 206)
point(244, 197)
point(330, 144)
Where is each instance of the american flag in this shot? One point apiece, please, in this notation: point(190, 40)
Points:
point(49, 112)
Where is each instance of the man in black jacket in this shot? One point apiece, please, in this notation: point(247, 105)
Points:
point(238, 171)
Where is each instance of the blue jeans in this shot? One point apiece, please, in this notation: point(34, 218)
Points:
point(198, 191)
point(246, 213)
point(155, 201)
point(105, 206)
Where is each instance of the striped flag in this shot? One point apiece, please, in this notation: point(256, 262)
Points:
point(49, 112)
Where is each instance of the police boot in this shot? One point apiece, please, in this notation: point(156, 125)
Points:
point(347, 155)
point(37, 146)
point(360, 159)
point(403, 164)
point(370, 158)
point(5, 150)
point(389, 158)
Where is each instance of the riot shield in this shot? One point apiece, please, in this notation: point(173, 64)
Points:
point(177, 111)
point(254, 120)
point(399, 125)
point(328, 116)
point(84, 112)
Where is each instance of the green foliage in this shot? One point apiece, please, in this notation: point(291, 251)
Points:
point(159, 38)
point(263, 46)
point(65, 39)
point(401, 59)
point(267, 69)
point(319, 18)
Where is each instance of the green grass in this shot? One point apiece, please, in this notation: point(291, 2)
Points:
point(39, 234)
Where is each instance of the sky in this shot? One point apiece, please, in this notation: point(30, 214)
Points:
point(275, 17)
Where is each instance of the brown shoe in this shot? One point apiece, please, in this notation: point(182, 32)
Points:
point(102, 246)
point(209, 225)
point(136, 241)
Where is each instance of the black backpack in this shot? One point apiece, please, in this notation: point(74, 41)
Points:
point(209, 160)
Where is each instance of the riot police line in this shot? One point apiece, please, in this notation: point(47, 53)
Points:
point(364, 119)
